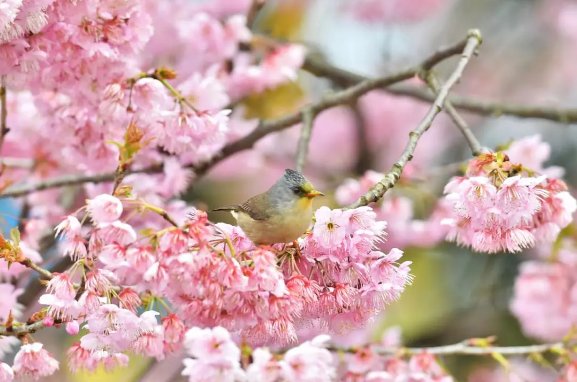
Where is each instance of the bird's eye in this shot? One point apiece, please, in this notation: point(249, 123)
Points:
point(296, 190)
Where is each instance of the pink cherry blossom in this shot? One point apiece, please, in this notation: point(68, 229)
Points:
point(533, 153)
point(263, 368)
point(104, 209)
point(309, 361)
point(330, 227)
point(34, 361)
point(70, 227)
point(211, 343)
point(6, 373)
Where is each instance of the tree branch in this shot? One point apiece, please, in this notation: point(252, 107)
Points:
point(376, 192)
point(465, 347)
point(20, 330)
point(305, 138)
point(364, 152)
point(476, 148)
point(264, 128)
point(478, 106)
point(3, 111)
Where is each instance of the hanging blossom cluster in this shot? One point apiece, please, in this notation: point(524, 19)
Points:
point(399, 212)
point(502, 206)
point(205, 275)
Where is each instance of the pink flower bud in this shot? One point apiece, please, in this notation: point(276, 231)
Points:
point(72, 327)
point(48, 320)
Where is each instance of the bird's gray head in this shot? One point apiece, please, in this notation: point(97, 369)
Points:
point(293, 185)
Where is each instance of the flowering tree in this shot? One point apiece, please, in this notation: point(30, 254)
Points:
point(111, 109)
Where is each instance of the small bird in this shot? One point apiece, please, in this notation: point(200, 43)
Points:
point(281, 214)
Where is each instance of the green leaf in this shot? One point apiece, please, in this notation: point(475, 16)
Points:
point(15, 235)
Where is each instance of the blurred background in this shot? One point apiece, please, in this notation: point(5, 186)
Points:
point(528, 56)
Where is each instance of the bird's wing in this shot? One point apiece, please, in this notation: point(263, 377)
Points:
point(254, 207)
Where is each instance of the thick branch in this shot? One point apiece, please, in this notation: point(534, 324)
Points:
point(345, 96)
point(464, 347)
point(478, 106)
point(305, 138)
point(389, 181)
point(472, 141)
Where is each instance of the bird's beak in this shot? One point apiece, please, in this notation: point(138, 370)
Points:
point(314, 193)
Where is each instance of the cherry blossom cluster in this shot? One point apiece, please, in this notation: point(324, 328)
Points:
point(216, 356)
point(502, 206)
point(198, 274)
point(31, 361)
point(545, 298)
point(399, 213)
point(91, 81)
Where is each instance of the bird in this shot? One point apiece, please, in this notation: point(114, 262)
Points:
point(281, 214)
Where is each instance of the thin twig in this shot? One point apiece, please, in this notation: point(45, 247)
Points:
point(119, 176)
point(264, 128)
point(473, 105)
point(464, 347)
point(167, 217)
point(476, 148)
point(3, 111)
point(30, 264)
point(305, 138)
point(376, 192)
point(179, 97)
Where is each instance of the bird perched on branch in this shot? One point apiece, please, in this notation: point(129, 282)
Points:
point(281, 214)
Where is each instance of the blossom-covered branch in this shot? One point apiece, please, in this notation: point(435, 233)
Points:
point(264, 128)
point(375, 193)
point(474, 105)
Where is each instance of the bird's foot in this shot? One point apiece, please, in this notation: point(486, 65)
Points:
point(297, 248)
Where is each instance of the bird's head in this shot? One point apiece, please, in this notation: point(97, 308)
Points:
point(295, 185)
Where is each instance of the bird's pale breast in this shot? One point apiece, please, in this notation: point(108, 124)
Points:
point(279, 228)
